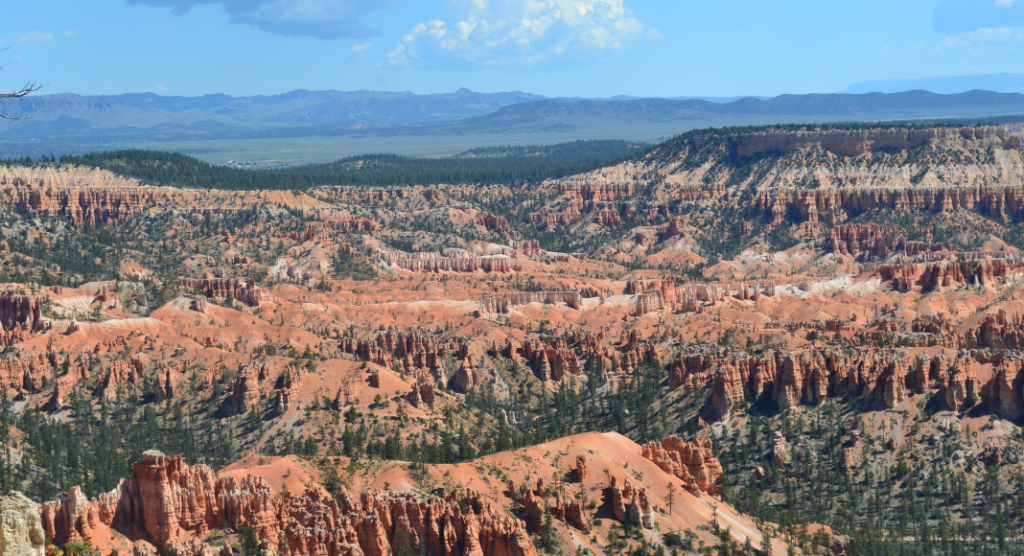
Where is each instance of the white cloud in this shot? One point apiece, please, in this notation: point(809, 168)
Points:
point(983, 36)
point(70, 33)
point(36, 36)
point(1004, 3)
point(360, 49)
point(504, 32)
point(159, 88)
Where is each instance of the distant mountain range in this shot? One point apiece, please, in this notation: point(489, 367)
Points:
point(551, 115)
point(69, 114)
point(67, 123)
point(996, 82)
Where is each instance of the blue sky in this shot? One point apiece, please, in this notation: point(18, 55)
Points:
point(552, 47)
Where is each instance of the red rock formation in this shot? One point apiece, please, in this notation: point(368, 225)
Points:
point(570, 511)
point(467, 376)
point(871, 241)
point(500, 303)
point(581, 468)
point(995, 331)
point(245, 391)
point(165, 500)
point(121, 373)
point(422, 393)
point(244, 291)
point(341, 220)
point(791, 377)
point(847, 463)
point(533, 508)
point(414, 349)
point(962, 384)
point(651, 302)
point(779, 450)
point(609, 217)
point(999, 202)
point(170, 504)
point(26, 373)
point(526, 249)
point(551, 220)
point(20, 310)
point(690, 461)
point(551, 357)
point(288, 393)
point(84, 206)
point(434, 262)
point(586, 190)
point(63, 386)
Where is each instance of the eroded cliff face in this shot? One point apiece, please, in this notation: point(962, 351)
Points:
point(167, 503)
point(802, 176)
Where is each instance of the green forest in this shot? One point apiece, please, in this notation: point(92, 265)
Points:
point(512, 164)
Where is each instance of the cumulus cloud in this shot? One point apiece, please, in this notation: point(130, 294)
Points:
point(503, 32)
point(319, 19)
point(961, 16)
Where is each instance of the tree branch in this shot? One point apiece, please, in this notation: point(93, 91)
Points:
point(26, 90)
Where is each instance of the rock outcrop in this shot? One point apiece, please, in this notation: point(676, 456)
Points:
point(242, 290)
point(21, 530)
point(690, 461)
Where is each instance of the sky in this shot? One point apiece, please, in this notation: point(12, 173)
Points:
point(582, 48)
